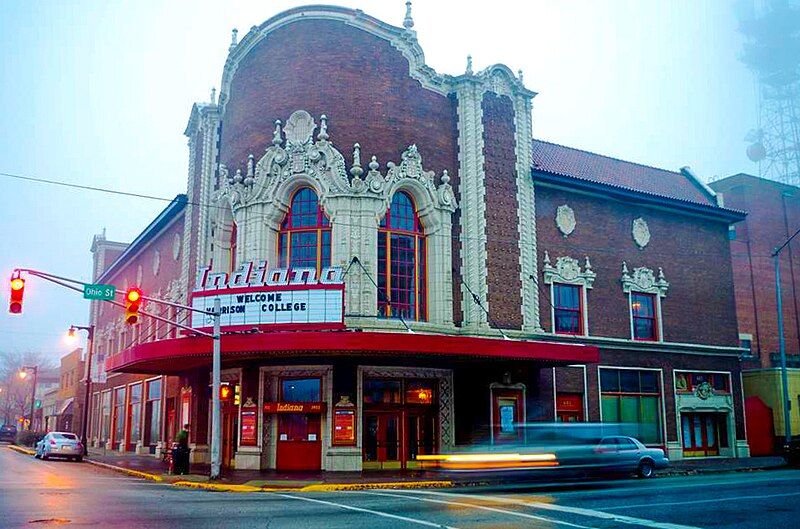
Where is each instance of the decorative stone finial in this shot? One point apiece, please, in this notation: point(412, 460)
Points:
point(469, 64)
point(213, 96)
point(356, 169)
point(408, 22)
point(238, 178)
point(661, 273)
point(624, 268)
point(519, 74)
point(546, 258)
point(588, 265)
point(323, 128)
point(234, 38)
point(276, 136)
point(373, 164)
point(250, 163)
point(445, 177)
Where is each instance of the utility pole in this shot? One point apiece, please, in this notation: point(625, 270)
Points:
point(216, 432)
point(86, 398)
point(787, 402)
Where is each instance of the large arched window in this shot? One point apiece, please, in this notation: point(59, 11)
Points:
point(401, 261)
point(305, 235)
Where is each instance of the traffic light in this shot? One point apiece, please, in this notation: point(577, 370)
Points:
point(17, 291)
point(133, 300)
point(37, 403)
point(225, 392)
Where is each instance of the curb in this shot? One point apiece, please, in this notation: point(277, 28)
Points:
point(128, 471)
point(22, 450)
point(333, 487)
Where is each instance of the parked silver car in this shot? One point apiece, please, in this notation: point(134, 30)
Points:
point(60, 444)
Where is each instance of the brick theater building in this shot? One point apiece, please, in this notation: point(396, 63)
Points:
point(402, 269)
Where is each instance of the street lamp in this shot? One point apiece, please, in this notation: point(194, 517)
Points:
point(86, 411)
point(23, 374)
point(787, 403)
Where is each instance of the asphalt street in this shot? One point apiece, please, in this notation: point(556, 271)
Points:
point(65, 494)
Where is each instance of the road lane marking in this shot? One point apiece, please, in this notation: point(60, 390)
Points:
point(689, 502)
point(572, 510)
point(368, 511)
point(482, 507)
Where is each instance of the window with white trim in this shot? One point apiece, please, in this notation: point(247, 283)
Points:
point(569, 283)
point(645, 289)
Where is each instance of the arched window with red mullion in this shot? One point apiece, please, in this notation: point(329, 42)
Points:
point(304, 240)
point(402, 276)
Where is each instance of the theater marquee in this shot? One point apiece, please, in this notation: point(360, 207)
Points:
point(254, 296)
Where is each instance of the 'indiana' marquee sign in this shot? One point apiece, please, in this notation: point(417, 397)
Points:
point(254, 295)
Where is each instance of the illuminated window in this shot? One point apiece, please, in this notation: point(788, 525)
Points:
point(645, 319)
point(305, 236)
point(401, 262)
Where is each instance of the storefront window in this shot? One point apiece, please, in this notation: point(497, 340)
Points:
point(301, 390)
point(688, 382)
point(119, 415)
point(401, 261)
point(105, 423)
point(153, 411)
point(381, 391)
point(135, 412)
point(419, 392)
point(305, 236)
point(632, 396)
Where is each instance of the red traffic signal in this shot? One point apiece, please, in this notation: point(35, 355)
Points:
point(133, 301)
point(17, 292)
point(225, 392)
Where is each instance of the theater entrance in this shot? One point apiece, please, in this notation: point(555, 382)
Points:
point(399, 422)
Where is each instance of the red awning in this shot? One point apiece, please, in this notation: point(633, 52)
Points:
point(179, 354)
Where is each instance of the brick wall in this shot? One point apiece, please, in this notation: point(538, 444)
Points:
point(502, 248)
point(694, 253)
point(358, 80)
point(773, 216)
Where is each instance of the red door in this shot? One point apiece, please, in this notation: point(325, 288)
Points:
point(299, 443)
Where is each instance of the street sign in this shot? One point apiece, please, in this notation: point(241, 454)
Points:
point(99, 291)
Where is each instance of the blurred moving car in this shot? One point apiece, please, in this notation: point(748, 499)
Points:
point(59, 444)
point(8, 432)
point(560, 449)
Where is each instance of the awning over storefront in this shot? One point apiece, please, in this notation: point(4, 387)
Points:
point(66, 406)
point(180, 354)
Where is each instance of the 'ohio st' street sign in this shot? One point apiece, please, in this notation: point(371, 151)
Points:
point(99, 291)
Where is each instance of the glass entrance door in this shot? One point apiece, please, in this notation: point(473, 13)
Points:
point(703, 433)
point(382, 440)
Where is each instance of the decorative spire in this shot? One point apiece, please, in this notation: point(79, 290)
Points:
point(588, 264)
point(624, 268)
point(661, 274)
point(373, 164)
point(356, 169)
point(213, 96)
point(237, 178)
point(276, 136)
point(546, 258)
point(234, 38)
point(408, 22)
point(250, 162)
point(323, 128)
point(519, 74)
point(445, 177)
point(469, 65)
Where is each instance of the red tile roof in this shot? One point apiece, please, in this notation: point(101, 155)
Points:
point(575, 163)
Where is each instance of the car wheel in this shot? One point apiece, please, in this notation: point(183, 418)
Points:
point(45, 457)
point(79, 459)
point(645, 469)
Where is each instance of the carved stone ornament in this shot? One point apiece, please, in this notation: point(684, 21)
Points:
point(568, 270)
point(641, 233)
point(294, 152)
point(565, 220)
point(156, 262)
point(644, 280)
point(704, 390)
point(176, 246)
